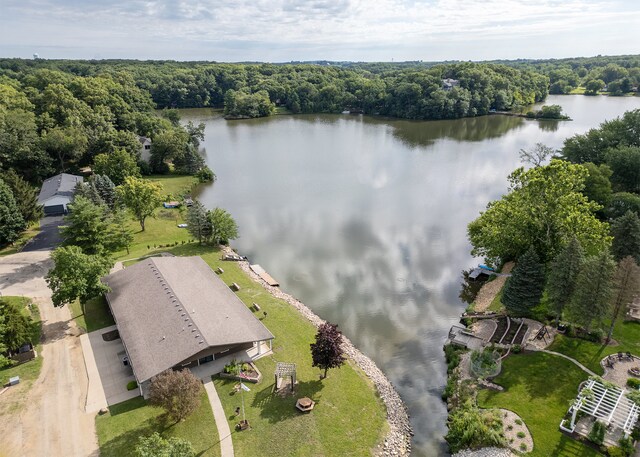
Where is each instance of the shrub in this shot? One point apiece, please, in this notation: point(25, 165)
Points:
point(597, 432)
point(449, 389)
point(626, 446)
point(206, 175)
point(509, 427)
point(634, 383)
point(520, 434)
point(516, 349)
point(452, 357)
point(132, 385)
point(470, 427)
point(485, 363)
point(518, 421)
point(523, 447)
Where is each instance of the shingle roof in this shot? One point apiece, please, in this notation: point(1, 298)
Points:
point(62, 184)
point(168, 309)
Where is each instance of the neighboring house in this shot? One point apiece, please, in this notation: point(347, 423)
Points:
point(448, 84)
point(145, 148)
point(57, 193)
point(175, 312)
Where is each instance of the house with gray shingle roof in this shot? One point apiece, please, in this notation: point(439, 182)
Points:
point(175, 312)
point(57, 192)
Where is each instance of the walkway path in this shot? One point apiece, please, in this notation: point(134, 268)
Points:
point(585, 369)
point(224, 432)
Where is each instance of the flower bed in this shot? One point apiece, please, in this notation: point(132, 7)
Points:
point(242, 371)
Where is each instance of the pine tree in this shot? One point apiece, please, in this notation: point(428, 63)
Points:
point(12, 223)
point(626, 286)
point(563, 275)
point(106, 189)
point(25, 195)
point(626, 236)
point(590, 301)
point(197, 221)
point(523, 290)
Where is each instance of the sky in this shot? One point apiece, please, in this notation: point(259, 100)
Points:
point(286, 30)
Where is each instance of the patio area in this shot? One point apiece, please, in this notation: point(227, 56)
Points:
point(617, 366)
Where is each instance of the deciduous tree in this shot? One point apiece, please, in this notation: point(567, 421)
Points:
point(11, 222)
point(76, 275)
point(156, 446)
point(543, 208)
point(117, 166)
point(327, 351)
point(177, 392)
point(224, 227)
point(86, 226)
point(140, 196)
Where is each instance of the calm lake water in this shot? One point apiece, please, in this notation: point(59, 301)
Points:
point(364, 220)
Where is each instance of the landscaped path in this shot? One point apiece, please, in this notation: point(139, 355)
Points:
point(585, 369)
point(224, 432)
point(48, 419)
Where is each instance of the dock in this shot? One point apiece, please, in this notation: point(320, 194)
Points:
point(257, 269)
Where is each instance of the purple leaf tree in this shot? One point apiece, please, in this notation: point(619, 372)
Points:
point(327, 351)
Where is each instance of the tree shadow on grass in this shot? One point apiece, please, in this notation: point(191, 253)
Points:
point(276, 407)
point(127, 406)
point(568, 447)
point(125, 443)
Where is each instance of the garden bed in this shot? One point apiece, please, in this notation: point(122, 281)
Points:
point(248, 373)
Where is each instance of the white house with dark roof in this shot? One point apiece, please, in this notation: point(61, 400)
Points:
point(57, 192)
point(145, 148)
point(175, 312)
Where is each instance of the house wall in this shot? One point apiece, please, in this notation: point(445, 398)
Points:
point(145, 154)
point(57, 200)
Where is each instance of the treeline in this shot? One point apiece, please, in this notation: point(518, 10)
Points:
point(412, 93)
point(54, 121)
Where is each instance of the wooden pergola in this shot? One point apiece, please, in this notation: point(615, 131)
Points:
point(285, 370)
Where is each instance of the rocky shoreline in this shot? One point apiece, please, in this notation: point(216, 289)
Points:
point(398, 441)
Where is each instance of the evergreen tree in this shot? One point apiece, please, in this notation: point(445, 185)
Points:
point(12, 223)
point(523, 289)
point(590, 301)
point(626, 286)
point(106, 189)
point(626, 236)
point(17, 326)
point(87, 189)
point(563, 275)
point(197, 221)
point(25, 195)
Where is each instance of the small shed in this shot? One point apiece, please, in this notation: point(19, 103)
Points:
point(145, 148)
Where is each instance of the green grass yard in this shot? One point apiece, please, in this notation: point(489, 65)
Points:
point(626, 334)
point(119, 430)
point(539, 388)
point(17, 246)
point(96, 314)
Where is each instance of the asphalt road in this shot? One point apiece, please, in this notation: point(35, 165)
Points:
point(49, 236)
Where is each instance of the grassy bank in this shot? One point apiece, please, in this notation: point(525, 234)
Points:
point(120, 429)
point(539, 387)
point(26, 236)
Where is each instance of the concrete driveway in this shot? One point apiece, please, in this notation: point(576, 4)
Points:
point(108, 376)
point(49, 236)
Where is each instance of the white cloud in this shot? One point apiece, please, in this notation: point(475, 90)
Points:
point(294, 29)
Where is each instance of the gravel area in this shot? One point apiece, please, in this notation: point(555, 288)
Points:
point(398, 440)
point(486, 452)
point(619, 373)
point(490, 289)
point(509, 419)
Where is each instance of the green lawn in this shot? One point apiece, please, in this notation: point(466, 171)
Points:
point(28, 371)
point(627, 334)
point(539, 387)
point(96, 314)
point(496, 304)
point(119, 430)
point(175, 185)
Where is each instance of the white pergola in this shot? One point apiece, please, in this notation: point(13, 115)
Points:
point(607, 404)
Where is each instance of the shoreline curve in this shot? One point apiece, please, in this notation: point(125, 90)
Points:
point(398, 439)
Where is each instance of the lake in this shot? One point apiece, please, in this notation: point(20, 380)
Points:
point(364, 220)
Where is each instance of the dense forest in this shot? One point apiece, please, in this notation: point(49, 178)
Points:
point(445, 91)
